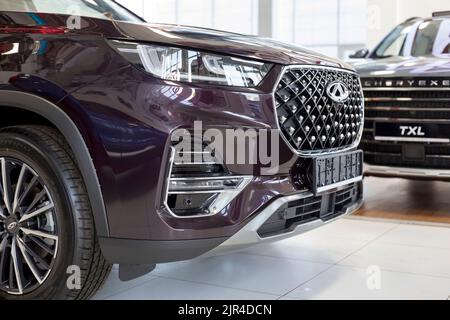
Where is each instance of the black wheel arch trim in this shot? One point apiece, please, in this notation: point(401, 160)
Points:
point(69, 130)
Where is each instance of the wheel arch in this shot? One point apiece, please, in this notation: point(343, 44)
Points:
point(52, 114)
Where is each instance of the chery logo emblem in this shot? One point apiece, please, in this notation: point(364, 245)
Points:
point(12, 226)
point(338, 91)
point(412, 131)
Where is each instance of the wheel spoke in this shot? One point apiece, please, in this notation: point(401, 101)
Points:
point(36, 199)
point(44, 209)
point(6, 184)
point(28, 261)
point(3, 247)
point(27, 190)
point(2, 193)
point(19, 187)
point(40, 234)
point(17, 267)
point(11, 276)
point(41, 244)
point(36, 256)
point(3, 243)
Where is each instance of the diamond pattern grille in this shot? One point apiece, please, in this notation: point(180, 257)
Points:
point(309, 119)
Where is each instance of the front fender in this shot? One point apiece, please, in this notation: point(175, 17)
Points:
point(75, 139)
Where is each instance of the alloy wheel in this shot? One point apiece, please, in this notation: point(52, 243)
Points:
point(28, 228)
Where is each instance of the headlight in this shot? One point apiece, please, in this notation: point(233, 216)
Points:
point(178, 64)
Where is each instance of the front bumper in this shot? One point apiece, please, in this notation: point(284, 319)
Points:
point(403, 172)
point(250, 234)
point(142, 230)
point(137, 252)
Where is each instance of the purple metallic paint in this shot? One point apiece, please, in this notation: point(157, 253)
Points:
point(126, 116)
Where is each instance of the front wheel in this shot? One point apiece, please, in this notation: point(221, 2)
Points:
point(48, 245)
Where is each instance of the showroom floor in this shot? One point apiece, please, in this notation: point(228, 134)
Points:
point(407, 200)
point(349, 259)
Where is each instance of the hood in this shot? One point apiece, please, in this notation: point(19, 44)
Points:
point(221, 42)
point(251, 47)
point(433, 66)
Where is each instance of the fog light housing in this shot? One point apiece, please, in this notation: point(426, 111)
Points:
point(194, 190)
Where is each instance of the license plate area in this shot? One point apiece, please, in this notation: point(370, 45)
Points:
point(412, 132)
point(334, 171)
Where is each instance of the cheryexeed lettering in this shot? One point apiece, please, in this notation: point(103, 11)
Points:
point(432, 83)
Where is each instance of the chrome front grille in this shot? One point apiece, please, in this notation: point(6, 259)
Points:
point(390, 100)
point(406, 99)
point(312, 122)
point(420, 105)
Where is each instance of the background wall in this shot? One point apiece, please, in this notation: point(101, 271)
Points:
point(334, 27)
point(233, 15)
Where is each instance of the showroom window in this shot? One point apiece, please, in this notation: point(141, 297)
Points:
point(230, 15)
point(333, 27)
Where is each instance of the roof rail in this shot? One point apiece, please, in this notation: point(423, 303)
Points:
point(411, 19)
point(441, 14)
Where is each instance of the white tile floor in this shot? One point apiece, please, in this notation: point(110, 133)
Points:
point(339, 261)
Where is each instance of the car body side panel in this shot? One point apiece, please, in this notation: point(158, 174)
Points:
point(50, 67)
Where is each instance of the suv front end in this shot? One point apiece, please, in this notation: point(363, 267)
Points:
point(407, 90)
point(407, 130)
point(208, 205)
point(135, 110)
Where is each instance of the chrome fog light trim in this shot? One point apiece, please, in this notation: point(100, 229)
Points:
point(207, 185)
point(192, 197)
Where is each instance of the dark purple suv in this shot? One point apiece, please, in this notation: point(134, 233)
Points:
point(133, 143)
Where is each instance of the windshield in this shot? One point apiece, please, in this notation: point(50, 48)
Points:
point(102, 9)
point(431, 37)
point(394, 43)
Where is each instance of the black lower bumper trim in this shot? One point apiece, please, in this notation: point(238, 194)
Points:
point(124, 251)
point(325, 207)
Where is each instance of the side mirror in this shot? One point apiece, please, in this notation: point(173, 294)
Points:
point(360, 54)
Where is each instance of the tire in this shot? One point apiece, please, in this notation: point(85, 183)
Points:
point(48, 246)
